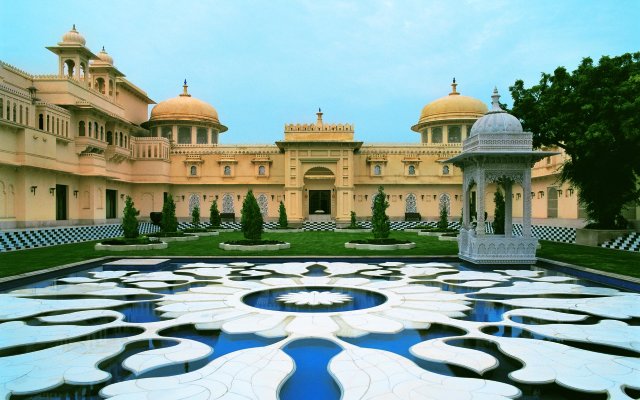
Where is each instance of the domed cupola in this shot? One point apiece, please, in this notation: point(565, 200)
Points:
point(73, 37)
point(186, 120)
point(496, 121)
point(105, 57)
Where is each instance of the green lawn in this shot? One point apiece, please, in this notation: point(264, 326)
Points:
point(310, 244)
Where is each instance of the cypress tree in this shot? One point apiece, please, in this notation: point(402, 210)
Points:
point(214, 214)
point(251, 218)
point(443, 222)
point(129, 220)
point(169, 222)
point(282, 216)
point(380, 219)
point(195, 216)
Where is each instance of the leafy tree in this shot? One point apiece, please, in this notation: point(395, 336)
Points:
point(354, 222)
point(251, 218)
point(282, 216)
point(195, 216)
point(443, 222)
point(214, 214)
point(169, 222)
point(498, 218)
point(593, 114)
point(129, 220)
point(380, 219)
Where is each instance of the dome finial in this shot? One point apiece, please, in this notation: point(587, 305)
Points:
point(103, 49)
point(319, 114)
point(495, 100)
point(74, 27)
point(184, 89)
point(453, 88)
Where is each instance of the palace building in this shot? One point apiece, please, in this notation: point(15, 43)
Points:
point(75, 143)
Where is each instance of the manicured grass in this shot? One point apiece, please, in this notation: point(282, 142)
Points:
point(609, 260)
point(310, 244)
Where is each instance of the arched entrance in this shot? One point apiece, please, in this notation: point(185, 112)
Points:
point(319, 188)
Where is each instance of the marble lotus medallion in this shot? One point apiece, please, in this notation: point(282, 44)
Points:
point(560, 332)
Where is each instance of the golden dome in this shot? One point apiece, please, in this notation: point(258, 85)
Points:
point(185, 108)
point(73, 37)
point(453, 106)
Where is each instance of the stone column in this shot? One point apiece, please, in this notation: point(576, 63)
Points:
point(526, 203)
point(209, 136)
point(508, 207)
point(465, 203)
point(480, 189)
point(174, 133)
point(194, 131)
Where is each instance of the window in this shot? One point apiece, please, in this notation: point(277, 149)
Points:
point(26, 114)
point(412, 170)
point(262, 170)
point(167, 132)
point(21, 113)
point(227, 170)
point(201, 136)
point(95, 129)
point(454, 134)
point(80, 127)
point(184, 135)
point(436, 134)
point(377, 170)
point(194, 170)
point(41, 122)
point(445, 170)
point(1, 109)
point(102, 133)
point(109, 137)
point(15, 112)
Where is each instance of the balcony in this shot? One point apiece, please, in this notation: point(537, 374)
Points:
point(117, 154)
point(86, 144)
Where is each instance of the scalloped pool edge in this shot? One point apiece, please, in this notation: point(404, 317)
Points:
point(258, 247)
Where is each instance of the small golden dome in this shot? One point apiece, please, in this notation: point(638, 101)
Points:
point(185, 108)
point(73, 37)
point(453, 106)
point(104, 56)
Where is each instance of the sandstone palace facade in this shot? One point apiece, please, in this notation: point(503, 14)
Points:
point(75, 143)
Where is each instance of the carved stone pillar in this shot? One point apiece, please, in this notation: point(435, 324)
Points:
point(526, 203)
point(465, 204)
point(508, 208)
point(480, 189)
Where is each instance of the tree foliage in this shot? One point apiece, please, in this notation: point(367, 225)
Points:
point(214, 214)
point(282, 216)
point(593, 113)
point(169, 221)
point(354, 221)
point(130, 220)
point(251, 218)
point(380, 219)
point(499, 213)
point(443, 222)
point(195, 216)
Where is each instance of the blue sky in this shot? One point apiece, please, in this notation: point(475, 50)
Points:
point(375, 64)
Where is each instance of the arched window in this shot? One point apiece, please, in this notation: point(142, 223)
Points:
point(20, 113)
point(26, 114)
point(100, 85)
point(262, 170)
point(1, 108)
point(89, 125)
point(80, 127)
point(377, 170)
point(411, 205)
point(445, 201)
point(263, 203)
point(445, 170)
point(102, 133)
point(95, 129)
point(15, 112)
point(41, 122)
point(227, 170)
point(47, 123)
point(194, 170)
point(110, 137)
point(121, 139)
point(69, 68)
point(57, 126)
point(412, 170)
point(227, 203)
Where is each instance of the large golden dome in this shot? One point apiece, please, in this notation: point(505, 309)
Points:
point(453, 106)
point(185, 108)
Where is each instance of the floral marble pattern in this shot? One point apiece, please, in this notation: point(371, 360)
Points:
point(562, 332)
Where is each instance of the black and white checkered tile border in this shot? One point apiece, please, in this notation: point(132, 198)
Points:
point(630, 242)
point(42, 237)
